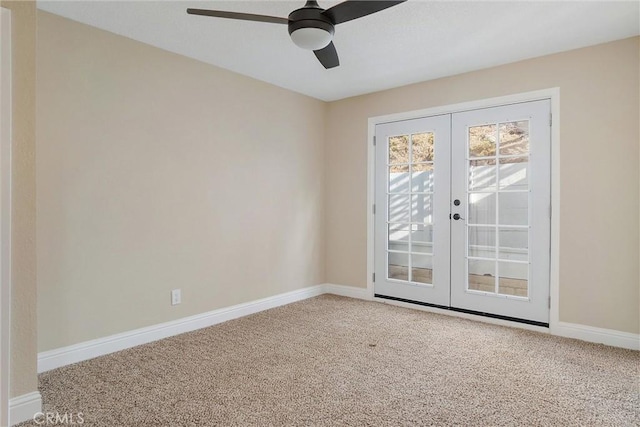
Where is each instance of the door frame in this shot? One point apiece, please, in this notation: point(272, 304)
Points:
point(5, 211)
point(552, 94)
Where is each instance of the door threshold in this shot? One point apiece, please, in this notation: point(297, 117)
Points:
point(462, 310)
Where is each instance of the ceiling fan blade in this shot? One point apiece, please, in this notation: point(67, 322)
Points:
point(328, 56)
point(353, 9)
point(237, 15)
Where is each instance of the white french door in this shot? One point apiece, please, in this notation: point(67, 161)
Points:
point(463, 205)
point(413, 189)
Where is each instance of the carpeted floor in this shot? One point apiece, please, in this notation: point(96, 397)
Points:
point(338, 361)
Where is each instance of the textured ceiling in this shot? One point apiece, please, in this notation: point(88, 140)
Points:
point(414, 41)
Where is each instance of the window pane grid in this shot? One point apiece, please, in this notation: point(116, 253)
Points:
point(494, 150)
point(493, 259)
point(475, 158)
point(410, 161)
point(391, 193)
point(516, 227)
point(498, 191)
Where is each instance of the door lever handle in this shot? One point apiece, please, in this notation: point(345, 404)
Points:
point(457, 217)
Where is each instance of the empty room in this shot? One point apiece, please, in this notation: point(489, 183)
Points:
point(357, 213)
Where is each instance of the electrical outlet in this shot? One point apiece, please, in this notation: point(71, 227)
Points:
point(176, 298)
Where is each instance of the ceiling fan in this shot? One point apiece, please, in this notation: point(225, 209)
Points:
point(312, 27)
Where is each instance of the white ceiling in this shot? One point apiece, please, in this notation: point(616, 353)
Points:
point(412, 42)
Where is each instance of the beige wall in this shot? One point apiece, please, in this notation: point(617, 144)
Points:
point(155, 172)
point(599, 151)
point(23, 222)
point(158, 172)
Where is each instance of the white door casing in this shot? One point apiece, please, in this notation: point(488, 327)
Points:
point(5, 210)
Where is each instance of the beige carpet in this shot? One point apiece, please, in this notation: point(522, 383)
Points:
point(337, 361)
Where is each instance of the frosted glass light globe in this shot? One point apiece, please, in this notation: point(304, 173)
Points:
point(311, 38)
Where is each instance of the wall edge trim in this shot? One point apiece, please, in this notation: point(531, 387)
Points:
point(24, 407)
point(593, 334)
point(74, 353)
point(63, 356)
point(6, 127)
point(346, 291)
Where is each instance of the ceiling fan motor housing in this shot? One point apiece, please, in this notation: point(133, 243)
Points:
point(310, 16)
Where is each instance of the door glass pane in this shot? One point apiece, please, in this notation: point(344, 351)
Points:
point(422, 147)
point(514, 137)
point(422, 208)
point(482, 141)
point(482, 208)
point(482, 174)
point(421, 268)
point(514, 173)
point(422, 238)
point(399, 179)
point(419, 167)
point(513, 279)
point(482, 275)
point(398, 266)
point(399, 208)
point(422, 178)
point(399, 149)
point(513, 208)
point(514, 244)
point(482, 242)
point(398, 237)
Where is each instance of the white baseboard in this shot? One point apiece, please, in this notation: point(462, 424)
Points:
point(23, 408)
point(56, 358)
point(597, 335)
point(346, 291)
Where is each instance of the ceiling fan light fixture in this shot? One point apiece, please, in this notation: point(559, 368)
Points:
point(311, 27)
point(311, 38)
